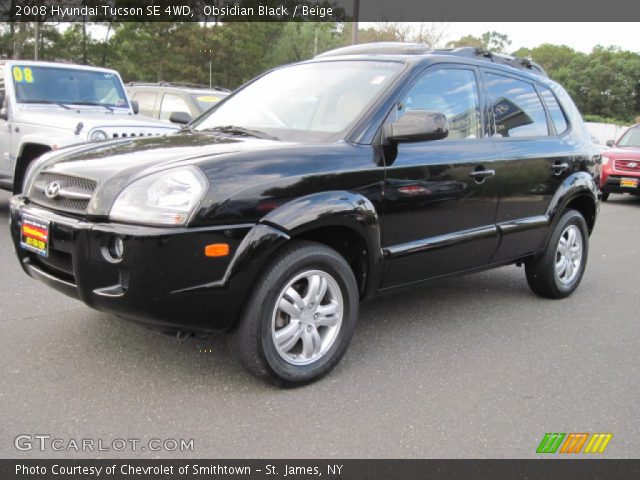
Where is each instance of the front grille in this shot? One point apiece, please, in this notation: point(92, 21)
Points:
point(74, 196)
point(134, 134)
point(627, 165)
point(58, 264)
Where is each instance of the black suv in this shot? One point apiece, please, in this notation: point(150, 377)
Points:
point(316, 186)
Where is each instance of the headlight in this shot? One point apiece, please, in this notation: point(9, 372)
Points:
point(605, 160)
point(164, 198)
point(97, 136)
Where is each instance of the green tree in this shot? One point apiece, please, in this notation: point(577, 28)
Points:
point(605, 82)
point(493, 41)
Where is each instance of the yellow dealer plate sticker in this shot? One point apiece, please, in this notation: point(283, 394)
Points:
point(629, 182)
point(209, 99)
point(21, 74)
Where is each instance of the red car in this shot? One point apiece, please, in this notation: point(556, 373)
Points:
point(621, 165)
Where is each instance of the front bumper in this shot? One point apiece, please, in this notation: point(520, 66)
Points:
point(611, 184)
point(164, 278)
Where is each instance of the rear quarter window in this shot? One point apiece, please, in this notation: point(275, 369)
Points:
point(558, 116)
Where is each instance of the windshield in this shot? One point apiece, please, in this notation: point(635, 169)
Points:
point(205, 101)
point(305, 102)
point(631, 138)
point(37, 84)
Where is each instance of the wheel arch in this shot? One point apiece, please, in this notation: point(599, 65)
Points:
point(345, 221)
point(29, 151)
point(579, 192)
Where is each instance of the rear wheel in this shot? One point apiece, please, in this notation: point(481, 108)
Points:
point(558, 271)
point(300, 318)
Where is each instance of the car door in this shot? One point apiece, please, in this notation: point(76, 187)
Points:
point(6, 165)
point(534, 160)
point(440, 196)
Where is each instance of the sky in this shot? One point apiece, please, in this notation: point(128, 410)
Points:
point(580, 36)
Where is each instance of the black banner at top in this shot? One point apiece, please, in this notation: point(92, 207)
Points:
point(316, 10)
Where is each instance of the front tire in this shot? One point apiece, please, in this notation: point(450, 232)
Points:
point(300, 316)
point(559, 270)
point(605, 196)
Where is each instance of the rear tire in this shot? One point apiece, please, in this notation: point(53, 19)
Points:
point(299, 318)
point(558, 271)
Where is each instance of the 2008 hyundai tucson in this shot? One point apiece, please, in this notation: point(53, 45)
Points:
point(313, 187)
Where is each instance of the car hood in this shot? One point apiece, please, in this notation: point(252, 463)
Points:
point(115, 164)
point(90, 118)
point(623, 152)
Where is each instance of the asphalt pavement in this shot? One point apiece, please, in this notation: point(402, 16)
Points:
point(471, 367)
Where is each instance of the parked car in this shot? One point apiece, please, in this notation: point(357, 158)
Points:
point(268, 217)
point(175, 102)
point(46, 106)
point(620, 171)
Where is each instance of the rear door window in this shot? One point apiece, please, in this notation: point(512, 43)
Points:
point(517, 108)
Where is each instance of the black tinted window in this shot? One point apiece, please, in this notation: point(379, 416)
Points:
point(517, 108)
point(450, 91)
point(557, 115)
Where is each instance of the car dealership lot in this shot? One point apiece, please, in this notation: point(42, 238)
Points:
point(470, 367)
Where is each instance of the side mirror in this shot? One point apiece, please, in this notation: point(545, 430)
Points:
point(180, 117)
point(135, 107)
point(419, 126)
point(610, 143)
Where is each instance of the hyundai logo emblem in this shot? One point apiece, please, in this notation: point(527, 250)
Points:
point(501, 109)
point(53, 190)
point(632, 164)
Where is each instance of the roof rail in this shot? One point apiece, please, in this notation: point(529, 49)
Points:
point(401, 48)
point(379, 48)
point(484, 54)
point(198, 86)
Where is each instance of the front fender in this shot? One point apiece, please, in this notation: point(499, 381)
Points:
point(335, 209)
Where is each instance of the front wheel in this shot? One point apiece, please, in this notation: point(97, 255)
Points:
point(300, 317)
point(558, 271)
point(605, 196)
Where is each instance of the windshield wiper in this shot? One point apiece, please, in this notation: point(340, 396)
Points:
point(48, 102)
point(94, 104)
point(237, 130)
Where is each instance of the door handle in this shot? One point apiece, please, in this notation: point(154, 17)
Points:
point(480, 175)
point(558, 168)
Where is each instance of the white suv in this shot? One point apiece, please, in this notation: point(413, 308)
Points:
point(47, 106)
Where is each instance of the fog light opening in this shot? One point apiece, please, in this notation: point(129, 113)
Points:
point(115, 249)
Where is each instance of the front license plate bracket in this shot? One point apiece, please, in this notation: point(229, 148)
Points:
point(34, 235)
